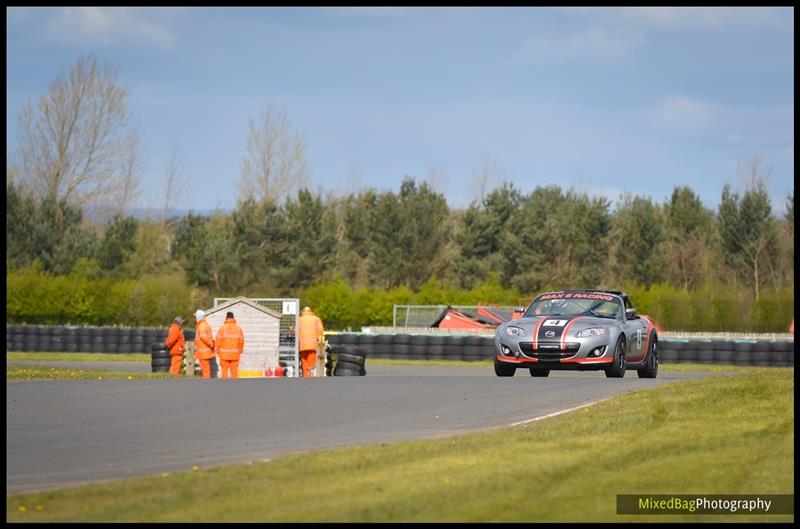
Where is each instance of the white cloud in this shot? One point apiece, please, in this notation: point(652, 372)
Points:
point(592, 43)
point(678, 112)
point(108, 26)
point(374, 12)
point(739, 124)
point(696, 18)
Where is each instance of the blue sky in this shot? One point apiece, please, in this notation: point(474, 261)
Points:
point(603, 100)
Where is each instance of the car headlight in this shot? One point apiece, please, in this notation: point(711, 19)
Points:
point(588, 333)
point(516, 331)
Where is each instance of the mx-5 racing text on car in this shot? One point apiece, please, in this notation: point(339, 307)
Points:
point(578, 329)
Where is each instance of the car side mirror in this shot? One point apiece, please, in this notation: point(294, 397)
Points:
point(630, 314)
point(519, 310)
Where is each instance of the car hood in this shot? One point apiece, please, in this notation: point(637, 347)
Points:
point(575, 323)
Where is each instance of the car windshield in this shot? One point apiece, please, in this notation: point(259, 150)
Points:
point(600, 306)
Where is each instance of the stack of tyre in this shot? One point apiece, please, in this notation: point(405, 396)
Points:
point(350, 361)
point(159, 357)
point(776, 353)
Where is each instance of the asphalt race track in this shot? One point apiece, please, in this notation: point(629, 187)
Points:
point(62, 433)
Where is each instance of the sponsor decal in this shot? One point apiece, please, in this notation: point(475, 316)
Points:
point(577, 295)
point(549, 346)
point(551, 331)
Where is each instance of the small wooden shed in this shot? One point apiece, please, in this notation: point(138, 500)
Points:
point(261, 328)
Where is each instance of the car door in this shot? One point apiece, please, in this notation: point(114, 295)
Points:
point(634, 329)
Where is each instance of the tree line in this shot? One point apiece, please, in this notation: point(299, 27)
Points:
point(548, 238)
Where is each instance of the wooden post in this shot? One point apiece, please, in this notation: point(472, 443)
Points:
point(188, 359)
point(320, 367)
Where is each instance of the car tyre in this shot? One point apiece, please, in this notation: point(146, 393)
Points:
point(617, 369)
point(503, 370)
point(650, 369)
point(539, 372)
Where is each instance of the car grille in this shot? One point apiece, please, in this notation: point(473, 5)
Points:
point(526, 348)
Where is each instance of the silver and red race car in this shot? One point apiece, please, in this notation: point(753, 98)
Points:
point(578, 329)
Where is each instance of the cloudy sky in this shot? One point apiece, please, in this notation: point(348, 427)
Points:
point(603, 100)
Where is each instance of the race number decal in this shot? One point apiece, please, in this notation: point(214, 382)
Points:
point(555, 323)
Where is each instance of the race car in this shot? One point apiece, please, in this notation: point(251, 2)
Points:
point(578, 329)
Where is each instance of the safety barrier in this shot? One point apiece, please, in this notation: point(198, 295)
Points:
point(42, 338)
point(778, 353)
point(68, 339)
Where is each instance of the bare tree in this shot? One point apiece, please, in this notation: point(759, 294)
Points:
point(129, 185)
point(77, 143)
point(436, 178)
point(484, 178)
point(175, 180)
point(275, 165)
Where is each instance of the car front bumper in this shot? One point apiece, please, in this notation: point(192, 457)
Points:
point(572, 354)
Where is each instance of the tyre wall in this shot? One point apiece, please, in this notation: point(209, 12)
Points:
point(65, 339)
point(778, 353)
point(43, 338)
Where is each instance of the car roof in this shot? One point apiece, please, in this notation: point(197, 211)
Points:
point(588, 291)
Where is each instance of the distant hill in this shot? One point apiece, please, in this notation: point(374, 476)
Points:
point(94, 214)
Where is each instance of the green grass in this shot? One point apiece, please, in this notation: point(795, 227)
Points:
point(80, 357)
point(487, 364)
point(140, 357)
point(26, 372)
point(717, 435)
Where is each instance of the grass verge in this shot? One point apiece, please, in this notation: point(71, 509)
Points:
point(26, 372)
point(80, 357)
point(719, 435)
point(487, 364)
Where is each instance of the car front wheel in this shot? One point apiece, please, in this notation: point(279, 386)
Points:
point(617, 369)
point(650, 369)
point(502, 370)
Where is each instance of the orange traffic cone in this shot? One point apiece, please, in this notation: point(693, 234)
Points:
point(268, 373)
point(279, 371)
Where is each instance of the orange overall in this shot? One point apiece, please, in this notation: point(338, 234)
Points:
point(175, 343)
point(229, 346)
point(310, 333)
point(204, 346)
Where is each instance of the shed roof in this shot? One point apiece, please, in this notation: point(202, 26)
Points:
point(246, 301)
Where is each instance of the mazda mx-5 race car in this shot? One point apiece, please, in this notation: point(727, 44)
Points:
point(578, 329)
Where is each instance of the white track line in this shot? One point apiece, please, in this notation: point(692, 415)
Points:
point(555, 413)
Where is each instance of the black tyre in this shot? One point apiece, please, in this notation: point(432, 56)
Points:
point(351, 358)
point(346, 372)
point(742, 351)
point(617, 369)
point(706, 353)
point(401, 351)
point(158, 347)
point(340, 364)
point(650, 369)
point(502, 370)
point(159, 354)
point(539, 372)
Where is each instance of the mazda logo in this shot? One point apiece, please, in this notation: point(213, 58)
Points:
point(549, 334)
